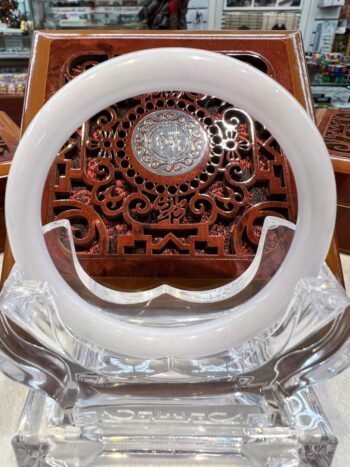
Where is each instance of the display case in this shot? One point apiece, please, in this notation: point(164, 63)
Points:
point(261, 14)
point(16, 24)
point(276, 4)
point(107, 14)
point(56, 14)
point(330, 80)
point(13, 77)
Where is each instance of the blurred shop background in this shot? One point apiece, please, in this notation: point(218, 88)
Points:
point(325, 26)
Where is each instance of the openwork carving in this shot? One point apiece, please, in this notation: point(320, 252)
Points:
point(337, 134)
point(169, 173)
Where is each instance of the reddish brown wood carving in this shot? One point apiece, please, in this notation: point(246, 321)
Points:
point(9, 136)
point(334, 126)
point(198, 217)
point(337, 133)
point(123, 197)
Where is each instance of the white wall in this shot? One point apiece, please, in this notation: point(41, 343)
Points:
point(311, 17)
point(197, 16)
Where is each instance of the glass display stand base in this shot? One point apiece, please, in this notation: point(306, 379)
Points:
point(262, 428)
point(251, 405)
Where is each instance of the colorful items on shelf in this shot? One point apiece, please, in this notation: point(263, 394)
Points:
point(331, 67)
point(319, 57)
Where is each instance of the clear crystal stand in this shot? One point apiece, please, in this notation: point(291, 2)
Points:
point(263, 428)
point(251, 405)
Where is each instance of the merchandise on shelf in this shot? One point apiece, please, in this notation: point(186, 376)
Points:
point(261, 14)
point(12, 83)
point(276, 4)
point(329, 68)
point(15, 28)
point(257, 20)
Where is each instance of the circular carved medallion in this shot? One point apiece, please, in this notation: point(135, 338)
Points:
point(169, 142)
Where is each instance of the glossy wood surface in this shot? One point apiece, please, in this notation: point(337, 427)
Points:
point(13, 106)
point(9, 137)
point(334, 125)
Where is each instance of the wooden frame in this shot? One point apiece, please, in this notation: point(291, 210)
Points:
point(9, 137)
point(334, 125)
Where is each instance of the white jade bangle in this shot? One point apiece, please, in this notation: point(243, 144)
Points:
point(163, 70)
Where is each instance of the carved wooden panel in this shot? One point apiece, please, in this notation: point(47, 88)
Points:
point(335, 128)
point(130, 212)
point(334, 125)
point(169, 174)
point(9, 136)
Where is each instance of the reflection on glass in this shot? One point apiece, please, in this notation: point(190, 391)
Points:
point(239, 3)
point(288, 3)
point(265, 20)
point(262, 3)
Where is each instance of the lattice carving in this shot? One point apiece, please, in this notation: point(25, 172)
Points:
point(337, 134)
point(210, 201)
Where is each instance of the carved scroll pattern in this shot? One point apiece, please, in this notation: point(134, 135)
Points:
point(117, 208)
point(337, 134)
